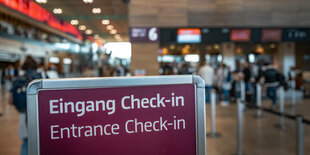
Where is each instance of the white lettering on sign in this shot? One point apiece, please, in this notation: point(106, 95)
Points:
point(60, 106)
point(74, 131)
point(133, 125)
point(80, 107)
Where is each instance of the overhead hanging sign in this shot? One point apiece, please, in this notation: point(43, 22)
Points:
point(138, 115)
point(296, 34)
point(240, 35)
point(188, 35)
point(271, 35)
point(143, 34)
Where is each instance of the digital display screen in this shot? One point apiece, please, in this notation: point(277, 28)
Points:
point(240, 35)
point(189, 36)
point(271, 34)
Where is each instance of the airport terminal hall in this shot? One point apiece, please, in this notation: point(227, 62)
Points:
point(154, 77)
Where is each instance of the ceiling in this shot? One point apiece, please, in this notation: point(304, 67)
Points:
point(114, 10)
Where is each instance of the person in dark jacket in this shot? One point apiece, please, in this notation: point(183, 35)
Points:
point(18, 97)
point(272, 82)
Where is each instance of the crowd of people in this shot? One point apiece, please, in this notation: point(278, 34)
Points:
point(228, 84)
point(222, 79)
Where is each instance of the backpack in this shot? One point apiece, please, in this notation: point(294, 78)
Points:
point(19, 94)
point(19, 90)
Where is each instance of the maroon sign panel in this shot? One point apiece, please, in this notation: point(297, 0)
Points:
point(143, 34)
point(271, 35)
point(240, 35)
point(118, 121)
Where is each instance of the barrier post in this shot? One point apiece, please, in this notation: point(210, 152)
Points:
point(259, 100)
point(299, 135)
point(213, 133)
point(239, 127)
point(293, 91)
point(281, 108)
point(242, 87)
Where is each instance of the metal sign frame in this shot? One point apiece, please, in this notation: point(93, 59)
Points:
point(76, 83)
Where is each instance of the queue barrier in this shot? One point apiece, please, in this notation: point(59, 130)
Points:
point(280, 125)
point(213, 133)
point(300, 121)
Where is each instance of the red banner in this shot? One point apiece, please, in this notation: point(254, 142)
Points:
point(36, 12)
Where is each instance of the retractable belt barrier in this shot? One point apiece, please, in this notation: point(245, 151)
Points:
point(300, 121)
point(213, 133)
point(133, 115)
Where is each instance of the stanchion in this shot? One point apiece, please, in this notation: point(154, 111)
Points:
point(281, 108)
point(242, 91)
point(293, 93)
point(239, 127)
point(213, 133)
point(259, 100)
point(299, 135)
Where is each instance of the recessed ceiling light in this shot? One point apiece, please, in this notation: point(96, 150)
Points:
point(105, 22)
point(88, 1)
point(57, 11)
point(82, 27)
point(97, 36)
point(113, 31)
point(74, 22)
point(109, 27)
point(88, 31)
point(117, 36)
point(96, 10)
point(41, 1)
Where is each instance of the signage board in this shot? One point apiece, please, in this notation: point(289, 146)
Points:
point(136, 115)
point(296, 34)
point(188, 35)
point(143, 34)
point(215, 35)
point(240, 35)
point(271, 35)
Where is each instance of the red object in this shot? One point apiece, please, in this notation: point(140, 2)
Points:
point(189, 31)
point(36, 12)
point(271, 35)
point(170, 138)
point(240, 35)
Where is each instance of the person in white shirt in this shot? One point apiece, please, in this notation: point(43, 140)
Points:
point(206, 72)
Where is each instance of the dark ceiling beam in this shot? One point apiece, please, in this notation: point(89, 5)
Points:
point(92, 17)
point(110, 35)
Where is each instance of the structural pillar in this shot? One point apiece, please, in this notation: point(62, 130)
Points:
point(228, 55)
point(285, 57)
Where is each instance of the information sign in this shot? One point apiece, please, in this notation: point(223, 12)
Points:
point(116, 116)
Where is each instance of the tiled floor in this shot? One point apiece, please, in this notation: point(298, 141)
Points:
point(260, 137)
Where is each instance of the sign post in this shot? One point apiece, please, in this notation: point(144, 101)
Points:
point(136, 115)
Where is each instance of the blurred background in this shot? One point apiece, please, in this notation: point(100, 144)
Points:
point(227, 42)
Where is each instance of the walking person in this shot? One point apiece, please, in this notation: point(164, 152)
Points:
point(18, 97)
point(271, 78)
point(206, 72)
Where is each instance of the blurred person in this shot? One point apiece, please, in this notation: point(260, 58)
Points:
point(120, 70)
point(271, 79)
point(206, 72)
point(227, 79)
point(52, 72)
point(249, 80)
point(223, 80)
point(41, 70)
point(185, 69)
point(18, 97)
